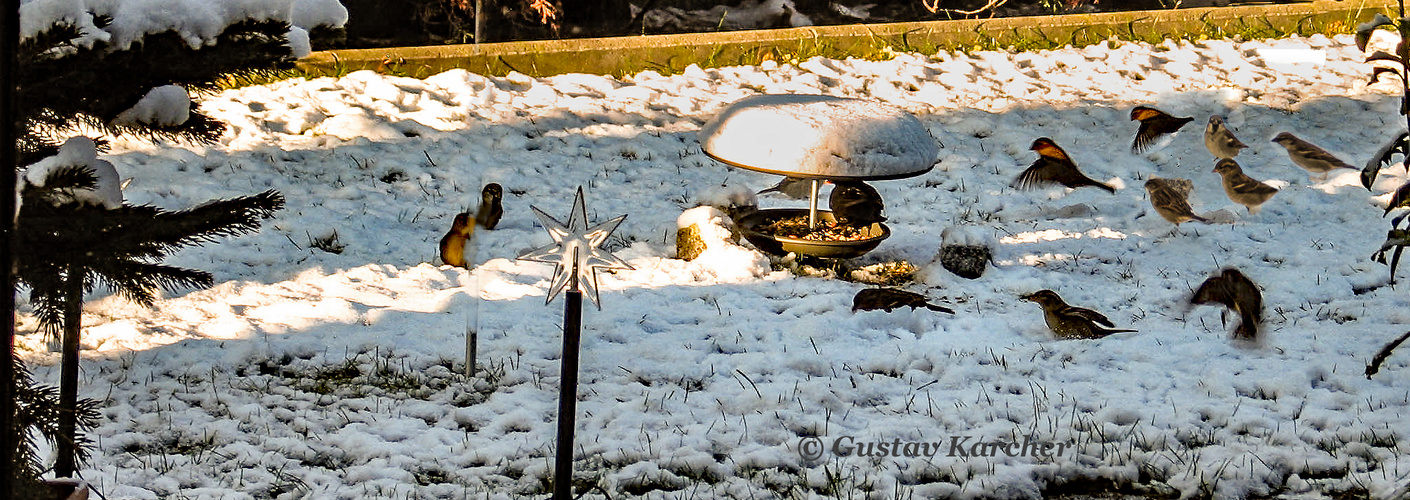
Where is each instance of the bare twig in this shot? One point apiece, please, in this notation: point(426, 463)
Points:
point(1375, 365)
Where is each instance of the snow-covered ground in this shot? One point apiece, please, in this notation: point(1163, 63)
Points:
point(310, 374)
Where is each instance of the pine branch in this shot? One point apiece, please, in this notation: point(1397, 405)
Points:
point(61, 91)
point(137, 281)
point(206, 223)
point(37, 409)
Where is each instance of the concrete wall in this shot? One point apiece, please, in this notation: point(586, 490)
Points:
point(671, 53)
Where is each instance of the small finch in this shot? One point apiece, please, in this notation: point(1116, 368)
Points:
point(889, 299)
point(1071, 322)
point(1311, 158)
point(1239, 294)
point(1168, 199)
point(453, 243)
point(792, 187)
point(1241, 188)
point(1154, 123)
point(1220, 141)
point(854, 203)
point(1054, 167)
point(491, 208)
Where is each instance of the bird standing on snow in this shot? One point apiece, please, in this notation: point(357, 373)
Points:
point(1154, 123)
point(1071, 322)
point(454, 242)
point(1241, 188)
point(491, 206)
point(1239, 294)
point(1311, 158)
point(856, 204)
point(889, 299)
point(1220, 141)
point(1168, 198)
point(793, 187)
point(1054, 167)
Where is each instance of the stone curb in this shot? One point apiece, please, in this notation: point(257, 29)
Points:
point(672, 53)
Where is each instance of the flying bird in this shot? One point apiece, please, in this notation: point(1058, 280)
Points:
point(491, 208)
point(1311, 158)
point(889, 299)
point(1168, 197)
point(1054, 167)
point(1241, 188)
point(856, 204)
point(1154, 123)
point(1220, 141)
point(1071, 322)
point(1233, 290)
point(793, 187)
point(454, 242)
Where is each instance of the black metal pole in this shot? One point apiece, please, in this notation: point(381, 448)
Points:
point(66, 446)
point(9, 160)
point(568, 395)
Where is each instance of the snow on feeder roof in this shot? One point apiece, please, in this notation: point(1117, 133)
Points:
point(820, 136)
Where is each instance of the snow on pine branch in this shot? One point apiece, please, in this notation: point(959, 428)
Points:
point(199, 22)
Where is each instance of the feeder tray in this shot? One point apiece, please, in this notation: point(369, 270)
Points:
point(817, 137)
point(751, 226)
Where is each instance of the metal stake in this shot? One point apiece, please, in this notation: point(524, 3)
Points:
point(568, 393)
point(813, 205)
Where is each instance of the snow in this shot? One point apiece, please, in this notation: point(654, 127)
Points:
point(819, 135)
point(164, 106)
point(307, 374)
point(79, 152)
point(198, 22)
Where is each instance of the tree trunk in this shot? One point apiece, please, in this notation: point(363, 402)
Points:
point(9, 155)
point(66, 448)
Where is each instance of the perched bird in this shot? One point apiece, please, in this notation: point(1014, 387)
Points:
point(453, 243)
point(1168, 199)
point(889, 299)
point(1071, 322)
point(1154, 123)
point(491, 208)
point(1241, 188)
point(1220, 141)
point(1054, 167)
point(1311, 158)
point(1235, 291)
point(793, 187)
point(854, 203)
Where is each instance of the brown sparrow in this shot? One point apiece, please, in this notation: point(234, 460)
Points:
point(453, 243)
point(1241, 188)
point(491, 207)
point(1239, 294)
point(1071, 322)
point(854, 203)
point(1168, 197)
point(1311, 158)
point(889, 299)
point(1220, 141)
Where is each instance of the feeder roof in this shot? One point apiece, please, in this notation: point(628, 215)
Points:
point(820, 136)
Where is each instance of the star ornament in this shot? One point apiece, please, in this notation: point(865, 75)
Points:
point(574, 251)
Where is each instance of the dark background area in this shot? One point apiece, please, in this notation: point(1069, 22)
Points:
point(388, 23)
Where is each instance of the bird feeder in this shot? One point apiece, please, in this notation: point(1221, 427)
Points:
point(818, 138)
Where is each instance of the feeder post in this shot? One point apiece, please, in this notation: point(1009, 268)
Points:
point(568, 390)
point(813, 205)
